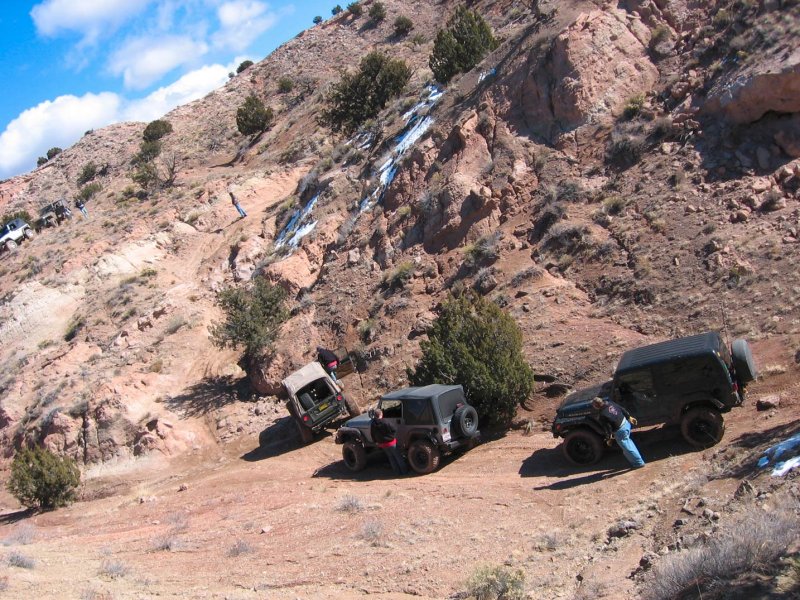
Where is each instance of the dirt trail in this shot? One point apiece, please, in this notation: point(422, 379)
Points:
point(291, 522)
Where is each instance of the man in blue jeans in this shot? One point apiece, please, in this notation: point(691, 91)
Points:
point(618, 421)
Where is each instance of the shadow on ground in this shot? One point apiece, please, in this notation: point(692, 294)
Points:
point(654, 445)
point(13, 517)
point(203, 397)
point(742, 453)
point(377, 468)
point(279, 438)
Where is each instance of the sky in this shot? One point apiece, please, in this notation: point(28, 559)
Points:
point(73, 65)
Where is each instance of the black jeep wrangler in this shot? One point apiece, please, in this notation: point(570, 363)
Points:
point(689, 382)
point(431, 420)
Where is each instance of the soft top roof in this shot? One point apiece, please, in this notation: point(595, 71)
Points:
point(426, 391)
point(695, 345)
point(302, 377)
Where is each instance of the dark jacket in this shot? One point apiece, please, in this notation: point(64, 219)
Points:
point(326, 357)
point(612, 415)
point(382, 431)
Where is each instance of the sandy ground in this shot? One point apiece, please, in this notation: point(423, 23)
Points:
point(284, 521)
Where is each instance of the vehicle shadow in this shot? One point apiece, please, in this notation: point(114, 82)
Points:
point(654, 445)
point(377, 468)
point(277, 439)
point(14, 517)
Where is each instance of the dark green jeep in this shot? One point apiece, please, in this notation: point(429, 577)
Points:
point(689, 382)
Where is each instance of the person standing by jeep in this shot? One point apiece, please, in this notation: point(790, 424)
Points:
point(384, 434)
point(617, 421)
point(328, 360)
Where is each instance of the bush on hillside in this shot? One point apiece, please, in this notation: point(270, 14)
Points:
point(88, 191)
point(474, 343)
point(253, 117)
point(244, 65)
point(457, 49)
point(403, 26)
point(336, 10)
point(355, 9)
point(53, 152)
point(317, 20)
point(40, 161)
point(360, 96)
point(285, 85)
point(148, 151)
point(17, 214)
point(253, 318)
point(156, 130)
point(377, 12)
point(41, 479)
point(88, 172)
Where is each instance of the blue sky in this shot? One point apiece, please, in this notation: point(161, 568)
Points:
point(74, 65)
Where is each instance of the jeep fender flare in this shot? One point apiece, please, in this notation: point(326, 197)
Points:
point(349, 434)
point(420, 435)
point(707, 402)
point(590, 424)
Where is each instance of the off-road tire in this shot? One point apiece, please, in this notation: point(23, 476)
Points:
point(352, 408)
point(743, 361)
point(702, 427)
point(11, 245)
point(582, 447)
point(28, 233)
point(465, 422)
point(423, 457)
point(306, 435)
point(354, 456)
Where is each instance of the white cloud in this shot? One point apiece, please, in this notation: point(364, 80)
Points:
point(143, 61)
point(59, 122)
point(241, 22)
point(62, 122)
point(191, 86)
point(92, 18)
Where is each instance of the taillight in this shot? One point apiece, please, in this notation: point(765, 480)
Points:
point(339, 397)
point(735, 386)
point(305, 417)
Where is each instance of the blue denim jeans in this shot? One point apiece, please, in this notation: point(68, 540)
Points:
point(629, 449)
point(396, 459)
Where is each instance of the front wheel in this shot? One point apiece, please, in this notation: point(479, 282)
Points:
point(582, 447)
point(28, 233)
point(702, 427)
point(354, 456)
point(423, 457)
point(11, 245)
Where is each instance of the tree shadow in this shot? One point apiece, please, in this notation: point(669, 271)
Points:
point(210, 393)
point(19, 515)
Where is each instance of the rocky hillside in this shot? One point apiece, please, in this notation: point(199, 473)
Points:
point(612, 173)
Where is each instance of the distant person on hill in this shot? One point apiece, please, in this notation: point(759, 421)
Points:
point(617, 421)
point(235, 203)
point(328, 360)
point(384, 434)
point(81, 207)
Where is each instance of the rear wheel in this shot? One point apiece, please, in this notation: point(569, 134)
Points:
point(582, 447)
point(465, 421)
point(423, 457)
point(702, 427)
point(28, 233)
point(354, 456)
point(306, 435)
point(352, 408)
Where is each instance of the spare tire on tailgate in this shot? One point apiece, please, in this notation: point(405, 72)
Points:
point(465, 421)
point(743, 361)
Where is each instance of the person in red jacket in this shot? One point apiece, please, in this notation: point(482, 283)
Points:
point(384, 434)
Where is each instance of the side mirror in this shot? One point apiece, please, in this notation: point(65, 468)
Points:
point(371, 413)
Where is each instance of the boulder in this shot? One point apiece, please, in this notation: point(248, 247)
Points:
point(768, 402)
point(746, 96)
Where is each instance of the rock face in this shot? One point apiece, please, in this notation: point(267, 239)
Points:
point(770, 86)
point(595, 66)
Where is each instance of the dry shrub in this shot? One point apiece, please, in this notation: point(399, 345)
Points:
point(753, 543)
point(349, 504)
point(496, 583)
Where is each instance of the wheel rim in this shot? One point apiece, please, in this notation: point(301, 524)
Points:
point(581, 451)
point(419, 458)
point(702, 430)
